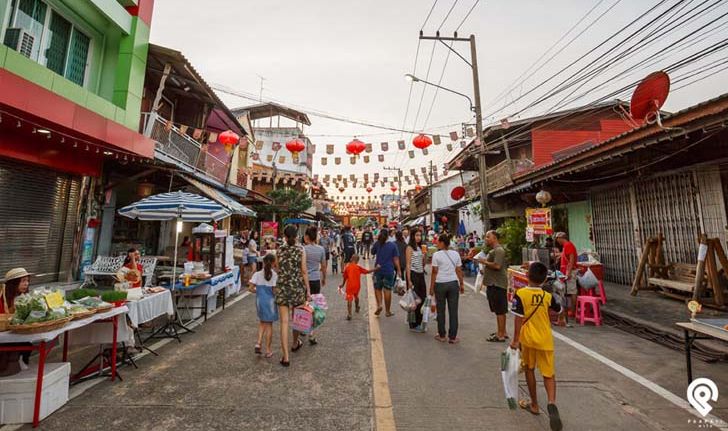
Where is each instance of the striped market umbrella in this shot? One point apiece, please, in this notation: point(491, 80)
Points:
point(176, 206)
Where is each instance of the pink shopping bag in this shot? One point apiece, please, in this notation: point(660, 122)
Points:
point(302, 319)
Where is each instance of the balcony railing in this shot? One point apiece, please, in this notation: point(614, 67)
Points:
point(182, 148)
point(499, 176)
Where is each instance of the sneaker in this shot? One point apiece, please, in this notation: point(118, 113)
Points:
point(554, 418)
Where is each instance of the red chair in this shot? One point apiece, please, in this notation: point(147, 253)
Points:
point(593, 315)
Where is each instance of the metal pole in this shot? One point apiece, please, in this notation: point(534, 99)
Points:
point(482, 162)
point(432, 216)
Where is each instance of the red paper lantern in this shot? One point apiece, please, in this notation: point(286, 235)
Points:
point(228, 138)
point(295, 146)
point(355, 147)
point(341, 189)
point(369, 189)
point(422, 141)
point(444, 219)
point(418, 188)
point(393, 189)
point(457, 193)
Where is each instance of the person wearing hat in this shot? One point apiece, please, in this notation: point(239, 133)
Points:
point(568, 268)
point(16, 283)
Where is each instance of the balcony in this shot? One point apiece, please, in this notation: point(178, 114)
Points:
point(182, 149)
point(499, 176)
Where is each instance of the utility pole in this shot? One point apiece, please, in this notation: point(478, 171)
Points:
point(482, 162)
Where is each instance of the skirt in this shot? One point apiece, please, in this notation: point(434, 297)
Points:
point(266, 304)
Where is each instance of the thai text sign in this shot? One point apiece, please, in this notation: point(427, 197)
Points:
point(539, 219)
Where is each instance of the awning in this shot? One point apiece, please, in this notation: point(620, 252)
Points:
point(223, 199)
point(418, 221)
point(297, 221)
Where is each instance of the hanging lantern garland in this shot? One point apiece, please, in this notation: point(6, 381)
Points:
point(422, 141)
point(369, 189)
point(229, 139)
point(295, 146)
point(355, 147)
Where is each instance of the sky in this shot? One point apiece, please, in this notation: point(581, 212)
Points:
point(348, 58)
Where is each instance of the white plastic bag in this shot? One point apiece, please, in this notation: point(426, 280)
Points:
point(510, 365)
point(479, 281)
point(588, 280)
point(408, 302)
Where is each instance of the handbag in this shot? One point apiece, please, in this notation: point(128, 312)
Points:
point(302, 319)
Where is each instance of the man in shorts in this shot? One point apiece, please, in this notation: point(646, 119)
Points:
point(367, 239)
point(495, 278)
point(532, 333)
point(348, 244)
point(387, 264)
point(568, 268)
point(326, 242)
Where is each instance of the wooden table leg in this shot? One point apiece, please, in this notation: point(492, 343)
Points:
point(65, 346)
point(688, 355)
point(39, 383)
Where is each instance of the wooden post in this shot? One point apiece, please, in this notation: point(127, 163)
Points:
point(700, 269)
point(641, 267)
point(713, 245)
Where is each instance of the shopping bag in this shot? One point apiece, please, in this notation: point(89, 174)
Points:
point(411, 317)
point(510, 365)
point(400, 286)
point(319, 315)
point(302, 319)
point(479, 282)
point(426, 310)
point(408, 302)
point(588, 280)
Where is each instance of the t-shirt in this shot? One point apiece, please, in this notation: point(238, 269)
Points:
point(446, 261)
point(536, 333)
point(569, 250)
point(347, 240)
point(492, 277)
point(353, 273)
point(367, 237)
point(325, 242)
point(258, 279)
point(315, 255)
point(385, 256)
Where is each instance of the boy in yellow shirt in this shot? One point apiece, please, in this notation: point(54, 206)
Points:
point(533, 330)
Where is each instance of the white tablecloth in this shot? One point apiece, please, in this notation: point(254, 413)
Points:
point(150, 307)
point(75, 327)
point(230, 281)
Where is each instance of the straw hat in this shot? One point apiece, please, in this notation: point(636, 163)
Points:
point(15, 273)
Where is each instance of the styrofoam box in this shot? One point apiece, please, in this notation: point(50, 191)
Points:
point(17, 393)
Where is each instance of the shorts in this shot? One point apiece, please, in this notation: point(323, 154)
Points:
point(252, 260)
point(384, 281)
point(328, 255)
point(571, 288)
point(352, 292)
point(543, 359)
point(314, 286)
point(497, 299)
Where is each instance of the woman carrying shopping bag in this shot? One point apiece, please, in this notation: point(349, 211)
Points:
point(415, 273)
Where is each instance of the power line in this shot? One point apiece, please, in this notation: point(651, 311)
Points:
point(448, 14)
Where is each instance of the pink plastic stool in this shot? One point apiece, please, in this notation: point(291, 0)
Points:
point(594, 316)
point(592, 292)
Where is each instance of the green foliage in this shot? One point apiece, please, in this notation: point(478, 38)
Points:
point(287, 203)
point(113, 296)
point(513, 238)
point(81, 293)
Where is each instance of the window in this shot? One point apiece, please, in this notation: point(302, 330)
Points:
point(44, 35)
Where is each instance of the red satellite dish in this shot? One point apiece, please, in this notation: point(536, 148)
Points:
point(649, 96)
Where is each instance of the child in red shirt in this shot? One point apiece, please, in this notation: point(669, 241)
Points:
point(352, 274)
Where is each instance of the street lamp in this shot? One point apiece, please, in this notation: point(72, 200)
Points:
point(412, 78)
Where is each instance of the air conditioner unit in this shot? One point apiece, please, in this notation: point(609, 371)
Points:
point(19, 40)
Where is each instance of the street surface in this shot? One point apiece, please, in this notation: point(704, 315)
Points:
point(213, 381)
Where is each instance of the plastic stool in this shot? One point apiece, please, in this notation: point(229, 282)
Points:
point(592, 292)
point(581, 310)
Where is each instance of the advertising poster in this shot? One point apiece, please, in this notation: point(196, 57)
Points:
point(539, 220)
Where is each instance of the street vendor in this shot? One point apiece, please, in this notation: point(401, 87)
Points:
point(16, 283)
point(132, 270)
point(568, 268)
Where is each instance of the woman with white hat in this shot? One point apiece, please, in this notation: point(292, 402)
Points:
point(16, 283)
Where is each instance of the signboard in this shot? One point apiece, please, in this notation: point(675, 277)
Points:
point(268, 229)
point(539, 219)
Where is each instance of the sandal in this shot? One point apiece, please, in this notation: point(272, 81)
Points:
point(285, 363)
point(554, 418)
point(257, 349)
point(526, 405)
point(298, 346)
point(312, 341)
point(440, 339)
point(390, 314)
point(493, 338)
point(378, 312)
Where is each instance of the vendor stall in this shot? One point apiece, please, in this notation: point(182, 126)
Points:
point(202, 294)
point(701, 329)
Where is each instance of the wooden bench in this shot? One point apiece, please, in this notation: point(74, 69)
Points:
point(109, 266)
point(681, 276)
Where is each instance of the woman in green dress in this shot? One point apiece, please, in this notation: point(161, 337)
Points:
point(292, 289)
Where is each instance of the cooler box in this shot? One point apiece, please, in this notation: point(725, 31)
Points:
point(17, 393)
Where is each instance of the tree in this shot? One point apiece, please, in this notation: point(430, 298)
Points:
point(287, 203)
point(513, 238)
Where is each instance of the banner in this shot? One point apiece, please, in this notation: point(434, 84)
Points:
point(269, 229)
point(539, 219)
point(436, 139)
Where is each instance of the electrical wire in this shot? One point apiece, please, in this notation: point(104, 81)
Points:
point(448, 14)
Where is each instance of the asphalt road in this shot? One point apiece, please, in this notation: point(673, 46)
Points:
point(606, 380)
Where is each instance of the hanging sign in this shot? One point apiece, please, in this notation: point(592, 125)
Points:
point(539, 219)
point(269, 228)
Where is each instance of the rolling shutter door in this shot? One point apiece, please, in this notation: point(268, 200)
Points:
point(613, 234)
point(38, 209)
